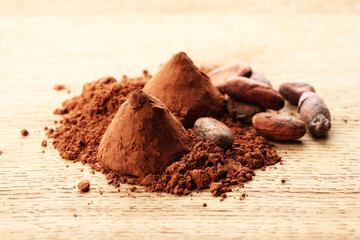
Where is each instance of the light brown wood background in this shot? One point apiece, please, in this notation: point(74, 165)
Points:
point(43, 43)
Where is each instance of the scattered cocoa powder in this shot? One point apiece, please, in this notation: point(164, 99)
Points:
point(44, 143)
point(1, 152)
point(205, 165)
point(24, 132)
point(204, 204)
point(59, 87)
point(84, 186)
point(60, 111)
point(283, 180)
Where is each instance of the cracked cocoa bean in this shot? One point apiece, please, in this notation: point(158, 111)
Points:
point(277, 127)
point(251, 91)
point(241, 111)
point(292, 91)
point(219, 75)
point(314, 112)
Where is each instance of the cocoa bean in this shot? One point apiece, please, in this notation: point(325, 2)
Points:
point(212, 130)
point(277, 127)
point(314, 112)
point(292, 91)
point(241, 111)
point(219, 75)
point(259, 77)
point(251, 91)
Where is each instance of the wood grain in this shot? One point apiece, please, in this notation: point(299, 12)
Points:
point(43, 43)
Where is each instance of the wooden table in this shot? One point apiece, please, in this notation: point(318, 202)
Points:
point(43, 43)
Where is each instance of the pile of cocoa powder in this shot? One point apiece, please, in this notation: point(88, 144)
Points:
point(204, 166)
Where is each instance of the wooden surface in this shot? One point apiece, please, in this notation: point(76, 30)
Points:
point(43, 43)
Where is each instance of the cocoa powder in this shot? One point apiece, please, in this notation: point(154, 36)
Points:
point(24, 132)
point(59, 87)
point(185, 90)
point(144, 137)
point(79, 134)
point(84, 186)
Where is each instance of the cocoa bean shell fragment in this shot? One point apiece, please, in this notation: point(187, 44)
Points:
point(314, 112)
point(292, 91)
point(277, 127)
point(251, 91)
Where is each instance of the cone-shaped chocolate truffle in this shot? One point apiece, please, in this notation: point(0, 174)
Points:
point(144, 137)
point(185, 90)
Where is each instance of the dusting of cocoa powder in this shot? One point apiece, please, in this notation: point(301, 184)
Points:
point(78, 136)
point(185, 90)
point(204, 166)
point(24, 132)
point(59, 87)
point(84, 186)
point(144, 137)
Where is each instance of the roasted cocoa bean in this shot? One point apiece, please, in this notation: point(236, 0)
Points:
point(251, 91)
point(241, 111)
point(292, 91)
point(314, 112)
point(219, 75)
point(212, 130)
point(259, 77)
point(277, 127)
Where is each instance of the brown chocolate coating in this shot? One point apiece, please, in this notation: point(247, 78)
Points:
point(144, 137)
point(185, 90)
